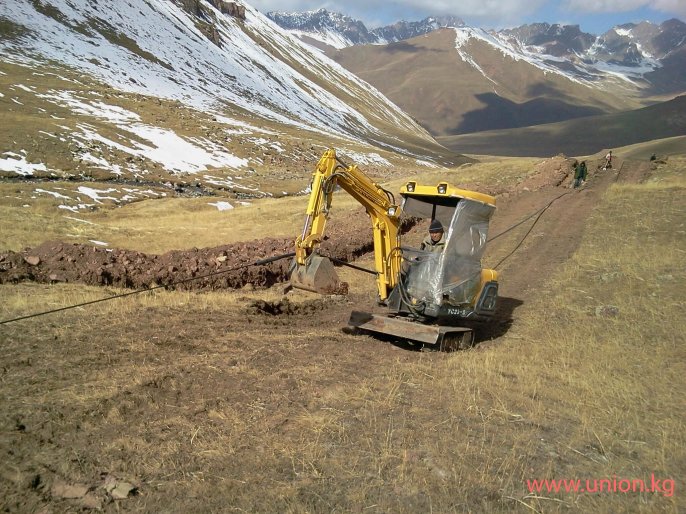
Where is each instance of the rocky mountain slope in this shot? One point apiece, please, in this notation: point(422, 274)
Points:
point(143, 90)
point(646, 54)
point(456, 81)
point(630, 49)
point(467, 79)
point(326, 29)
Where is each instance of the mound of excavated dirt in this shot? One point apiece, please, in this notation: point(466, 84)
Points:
point(285, 307)
point(63, 262)
point(55, 261)
point(556, 171)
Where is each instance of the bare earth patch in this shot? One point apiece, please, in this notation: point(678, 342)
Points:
point(245, 400)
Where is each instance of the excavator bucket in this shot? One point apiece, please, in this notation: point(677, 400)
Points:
point(317, 275)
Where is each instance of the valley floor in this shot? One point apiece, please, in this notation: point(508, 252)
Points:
point(248, 401)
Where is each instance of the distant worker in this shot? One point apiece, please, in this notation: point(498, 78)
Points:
point(608, 160)
point(580, 172)
point(435, 241)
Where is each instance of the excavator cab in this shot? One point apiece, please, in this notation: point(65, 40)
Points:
point(449, 286)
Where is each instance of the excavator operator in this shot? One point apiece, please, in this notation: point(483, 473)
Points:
point(435, 241)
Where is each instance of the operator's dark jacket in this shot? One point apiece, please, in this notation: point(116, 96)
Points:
point(429, 246)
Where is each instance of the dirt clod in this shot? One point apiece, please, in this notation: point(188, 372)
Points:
point(285, 307)
point(70, 491)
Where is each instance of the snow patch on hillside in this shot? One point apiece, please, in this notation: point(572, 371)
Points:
point(221, 206)
point(328, 37)
point(586, 70)
point(174, 153)
point(75, 200)
point(624, 32)
point(465, 35)
point(156, 48)
point(17, 163)
point(366, 158)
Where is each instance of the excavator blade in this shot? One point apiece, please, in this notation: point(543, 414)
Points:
point(317, 275)
point(443, 338)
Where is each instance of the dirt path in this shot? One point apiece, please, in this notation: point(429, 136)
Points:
point(558, 232)
point(554, 238)
point(551, 242)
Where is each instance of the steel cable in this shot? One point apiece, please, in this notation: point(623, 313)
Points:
point(260, 262)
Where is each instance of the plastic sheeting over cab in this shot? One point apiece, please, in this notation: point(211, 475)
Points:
point(448, 284)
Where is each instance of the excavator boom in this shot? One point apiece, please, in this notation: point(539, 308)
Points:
point(314, 272)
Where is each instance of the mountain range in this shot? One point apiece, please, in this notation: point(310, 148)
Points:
point(456, 79)
point(629, 44)
point(324, 29)
point(214, 89)
point(208, 87)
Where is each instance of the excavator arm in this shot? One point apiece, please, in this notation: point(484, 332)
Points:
point(314, 272)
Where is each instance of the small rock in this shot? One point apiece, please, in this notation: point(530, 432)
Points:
point(607, 311)
point(63, 490)
point(118, 489)
point(123, 490)
point(33, 260)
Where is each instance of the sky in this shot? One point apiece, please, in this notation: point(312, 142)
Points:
point(594, 16)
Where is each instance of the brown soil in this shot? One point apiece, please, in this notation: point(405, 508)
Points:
point(56, 261)
point(558, 232)
point(180, 409)
point(228, 266)
point(554, 239)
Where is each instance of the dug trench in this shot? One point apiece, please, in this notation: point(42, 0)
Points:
point(55, 261)
point(203, 409)
point(555, 237)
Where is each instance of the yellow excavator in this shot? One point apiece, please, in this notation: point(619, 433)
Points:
point(433, 298)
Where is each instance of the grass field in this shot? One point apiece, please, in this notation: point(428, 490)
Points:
point(163, 224)
point(207, 405)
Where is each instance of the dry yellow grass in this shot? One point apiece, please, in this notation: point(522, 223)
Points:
point(490, 172)
point(568, 394)
point(164, 224)
point(288, 415)
point(576, 394)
